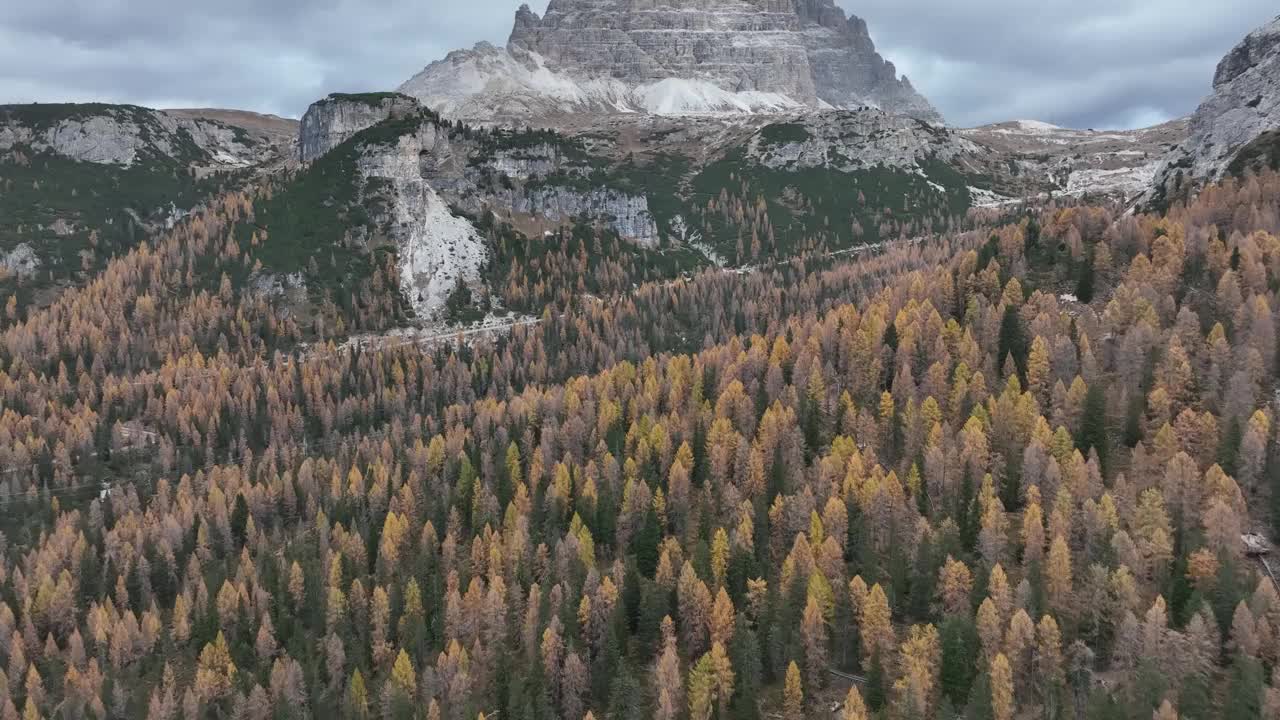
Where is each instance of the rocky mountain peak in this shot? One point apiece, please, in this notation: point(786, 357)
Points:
point(1252, 51)
point(671, 57)
point(331, 121)
point(1235, 128)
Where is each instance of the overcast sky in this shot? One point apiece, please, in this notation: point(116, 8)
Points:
point(1079, 63)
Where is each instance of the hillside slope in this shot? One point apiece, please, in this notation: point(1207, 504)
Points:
point(82, 183)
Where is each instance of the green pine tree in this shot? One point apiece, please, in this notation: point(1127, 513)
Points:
point(959, 648)
point(1244, 695)
point(1085, 283)
point(1013, 340)
point(1093, 426)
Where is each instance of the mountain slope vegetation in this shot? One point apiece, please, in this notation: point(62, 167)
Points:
point(930, 468)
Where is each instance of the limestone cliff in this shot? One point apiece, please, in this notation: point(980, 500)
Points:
point(329, 122)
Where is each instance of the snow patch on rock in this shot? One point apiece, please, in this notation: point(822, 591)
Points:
point(676, 96)
point(1037, 126)
point(487, 82)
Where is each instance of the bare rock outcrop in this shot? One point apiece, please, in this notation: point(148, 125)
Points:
point(330, 122)
point(1235, 126)
point(125, 135)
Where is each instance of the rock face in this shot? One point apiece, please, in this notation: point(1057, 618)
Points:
point(271, 137)
point(21, 260)
point(626, 214)
point(852, 141)
point(125, 135)
point(331, 121)
point(670, 57)
point(435, 249)
point(460, 171)
point(410, 179)
point(106, 176)
point(1244, 108)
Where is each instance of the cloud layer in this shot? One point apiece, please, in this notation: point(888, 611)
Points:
point(1080, 63)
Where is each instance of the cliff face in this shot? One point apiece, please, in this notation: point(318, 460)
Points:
point(331, 121)
point(671, 57)
point(435, 249)
point(1227, 128)
point(626, 214)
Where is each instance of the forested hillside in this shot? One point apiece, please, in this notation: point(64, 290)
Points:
point(999, 473)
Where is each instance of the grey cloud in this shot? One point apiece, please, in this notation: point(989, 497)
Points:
point(268, 56)
point(1087, 63)
point(1081, 63)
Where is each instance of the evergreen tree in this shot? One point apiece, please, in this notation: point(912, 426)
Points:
point(744, 654)
point(1084, 285)
point(1013, 340)
point(1229, 447)
point(959, 648)
point(1194, 699)
point(1133, 417)
point(627, 697)
point(239, 520)
point(646, 544)
point(979, 705)
point(1093, 426)
point(1244, 694)
point(877, 692)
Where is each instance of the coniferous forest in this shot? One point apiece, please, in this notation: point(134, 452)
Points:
point(1004, 472)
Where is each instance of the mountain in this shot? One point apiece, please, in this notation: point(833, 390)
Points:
point(331, 121)
point(1237, 127)
point(83, 182)
point(127, 135)
point(385, 173)
point(1066, 161)
point(670, 57)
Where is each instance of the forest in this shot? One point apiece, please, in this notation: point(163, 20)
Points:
point(1001, 472)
